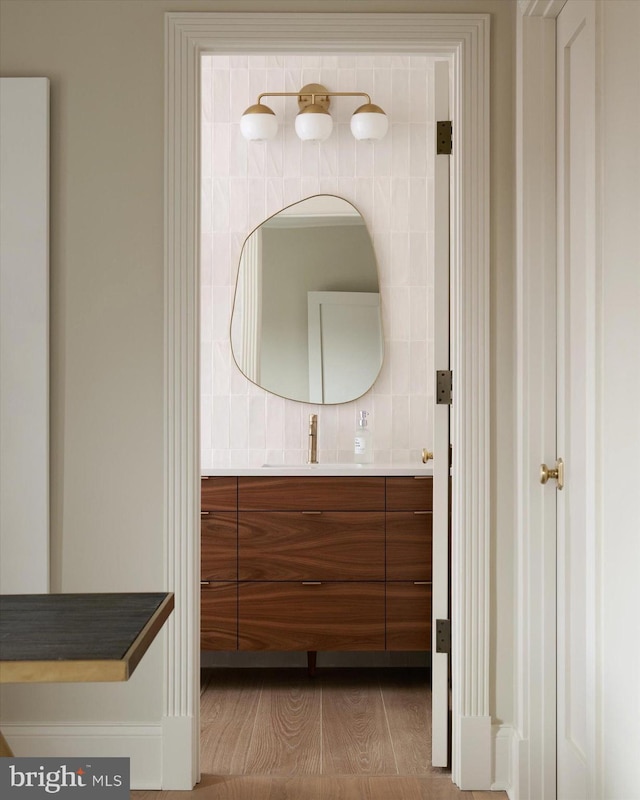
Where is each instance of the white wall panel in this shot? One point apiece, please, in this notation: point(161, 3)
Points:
point(24, 335)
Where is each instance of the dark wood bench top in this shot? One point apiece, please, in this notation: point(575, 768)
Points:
point(52, 637)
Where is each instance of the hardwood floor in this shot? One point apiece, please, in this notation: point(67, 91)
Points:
point(343, 735)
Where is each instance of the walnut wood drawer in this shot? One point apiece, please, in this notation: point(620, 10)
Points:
point(324, 616)
point(320, 493)
point(218, 546)
point(218, 493)
point(219, 616)
point(326, 545)
point(408, 616)
point(409, 545)
point(410, 494)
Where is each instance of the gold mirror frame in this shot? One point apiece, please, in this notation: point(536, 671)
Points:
point(306, 323)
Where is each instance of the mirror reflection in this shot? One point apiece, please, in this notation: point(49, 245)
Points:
point(306, 321)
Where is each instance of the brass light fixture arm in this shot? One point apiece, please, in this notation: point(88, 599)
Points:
point(314, 94)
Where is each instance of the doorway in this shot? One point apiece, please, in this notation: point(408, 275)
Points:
point(466, 40)
point(392, 184)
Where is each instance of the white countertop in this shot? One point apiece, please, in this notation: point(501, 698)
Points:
point(353, 470)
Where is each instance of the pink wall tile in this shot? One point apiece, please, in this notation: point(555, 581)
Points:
point(389, 182)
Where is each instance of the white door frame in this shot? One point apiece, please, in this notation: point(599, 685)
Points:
point(464, 38)
point(534, 743)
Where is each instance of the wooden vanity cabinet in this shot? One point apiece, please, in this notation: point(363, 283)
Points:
point(218, 564)
point(219, 494)
point(310, 563)
point(321, 493)
point(316, 563)
point(219, 615)
point(409, 561)
point(311, 615)
point(311, 545)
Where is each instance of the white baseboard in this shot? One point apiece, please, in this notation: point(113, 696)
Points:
point(520, 775)
point(502, 737)
point(475, 756)
point(142, 744)
point(180, 767)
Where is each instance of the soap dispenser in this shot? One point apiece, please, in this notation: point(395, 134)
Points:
point(363, 444)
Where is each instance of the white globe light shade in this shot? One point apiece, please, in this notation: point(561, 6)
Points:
point(258, 123)
point(369, 122)
point(314, 124)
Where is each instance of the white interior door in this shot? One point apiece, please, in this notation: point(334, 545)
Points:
point(345, 344)
point(440, 575)
point(576, 400)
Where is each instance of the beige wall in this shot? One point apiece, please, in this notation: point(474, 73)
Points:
point(105, 60)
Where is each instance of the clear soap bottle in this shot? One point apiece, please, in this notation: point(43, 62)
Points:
point(363, 441)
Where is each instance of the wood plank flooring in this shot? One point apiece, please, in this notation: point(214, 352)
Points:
point(343, 735)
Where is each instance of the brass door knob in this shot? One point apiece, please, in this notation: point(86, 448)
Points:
point(427, 455)
point(556, 474)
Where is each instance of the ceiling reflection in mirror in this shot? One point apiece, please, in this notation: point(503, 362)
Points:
point(306, 321)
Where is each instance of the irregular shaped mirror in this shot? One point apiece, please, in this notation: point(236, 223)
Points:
point(306, 320)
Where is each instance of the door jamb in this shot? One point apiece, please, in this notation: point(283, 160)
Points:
point(465, 39)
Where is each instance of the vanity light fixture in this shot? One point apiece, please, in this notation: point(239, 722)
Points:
point(313, 122)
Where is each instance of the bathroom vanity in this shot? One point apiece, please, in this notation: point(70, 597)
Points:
point(316, 559)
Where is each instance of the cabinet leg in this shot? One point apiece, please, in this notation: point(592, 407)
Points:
point(311, 662)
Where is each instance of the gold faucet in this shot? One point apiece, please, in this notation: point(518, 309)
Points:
point(313, 439)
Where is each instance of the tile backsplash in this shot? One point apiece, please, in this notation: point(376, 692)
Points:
point(391, 184)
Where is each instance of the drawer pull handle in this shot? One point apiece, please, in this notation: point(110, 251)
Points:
point(204, 477)
point(312, 512)
point(312, 583)
point(204, 513)
point(204, 583)
point(422, 583)
point(422, 512)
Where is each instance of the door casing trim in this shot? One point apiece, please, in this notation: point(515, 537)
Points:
point(464, 39)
